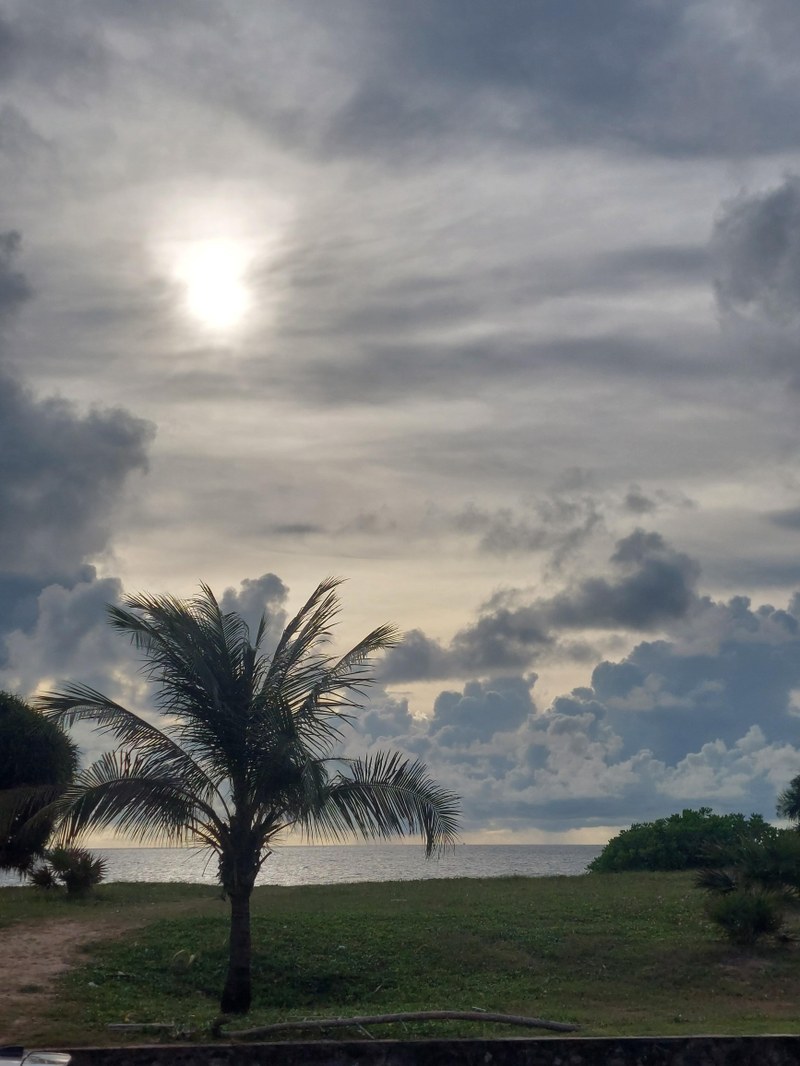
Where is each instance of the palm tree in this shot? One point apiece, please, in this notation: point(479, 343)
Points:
point(247, 749)
point(789, 802)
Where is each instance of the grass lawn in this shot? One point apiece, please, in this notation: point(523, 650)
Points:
point(617, 954)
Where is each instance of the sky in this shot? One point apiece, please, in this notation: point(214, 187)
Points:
point(492, 308)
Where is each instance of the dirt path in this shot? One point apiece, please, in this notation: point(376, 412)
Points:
point(32, 955)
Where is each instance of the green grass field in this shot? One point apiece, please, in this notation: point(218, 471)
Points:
point(616, 954)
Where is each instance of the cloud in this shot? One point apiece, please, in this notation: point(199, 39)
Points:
point(482, 710)
point(756, 245)
point(560, 522)
point(265, 595)
point(702, 718)
point(62, 475)
point(657, 584)
point(654, 586)
point(786, 519)
point(14, 287)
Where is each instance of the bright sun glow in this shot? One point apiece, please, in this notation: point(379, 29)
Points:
point(213, 274)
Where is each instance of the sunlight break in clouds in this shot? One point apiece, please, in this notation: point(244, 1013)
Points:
point(213, 275)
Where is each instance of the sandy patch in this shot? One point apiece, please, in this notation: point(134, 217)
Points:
point(32, 956)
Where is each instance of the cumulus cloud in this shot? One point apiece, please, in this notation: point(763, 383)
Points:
point(62, 473)
point(702, 717)
point(653, 585)
point(259, 597)
point(704, 714)
point(656, 584)
point(482, 710)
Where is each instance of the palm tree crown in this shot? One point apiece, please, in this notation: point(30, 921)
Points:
point(788, 805)
point(248, 747)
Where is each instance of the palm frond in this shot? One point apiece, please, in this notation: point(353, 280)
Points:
point(347, 677)
point(158, 752)
point(320, 690)
point(715, 879)
point(203, 666)
point(386, 795)
point(305, 635)
point(114, 792)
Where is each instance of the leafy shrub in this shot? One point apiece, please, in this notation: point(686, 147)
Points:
point(75, 868)
point(679, 842)
point(746, 916)
point(36, 760)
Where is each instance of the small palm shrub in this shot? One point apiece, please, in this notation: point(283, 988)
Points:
point(42, 876)
point(744, 916)
point(74, 868)
point(752, 884)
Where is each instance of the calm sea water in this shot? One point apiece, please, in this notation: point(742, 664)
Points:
point(321, 865)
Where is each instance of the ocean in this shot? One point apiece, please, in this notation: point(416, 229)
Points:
point(340, 863)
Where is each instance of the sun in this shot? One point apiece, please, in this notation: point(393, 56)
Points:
point(213, 274)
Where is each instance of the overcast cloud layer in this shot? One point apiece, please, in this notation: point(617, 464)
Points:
point(517, 352)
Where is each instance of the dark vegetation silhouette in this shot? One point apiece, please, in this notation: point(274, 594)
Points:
point(752, 885)
point(76, 869)
point(248, 748)
point(788, 805)
point(679, 842)
point(37, 760)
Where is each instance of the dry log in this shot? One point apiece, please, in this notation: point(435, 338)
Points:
point(405, 1016)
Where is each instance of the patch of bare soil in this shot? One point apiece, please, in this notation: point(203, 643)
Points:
point(32, 955)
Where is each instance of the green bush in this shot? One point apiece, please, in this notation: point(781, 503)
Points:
point(679, 842)
point(746, 916)
point(36, 760)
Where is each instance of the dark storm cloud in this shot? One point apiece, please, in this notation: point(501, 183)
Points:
point(661, 76)
point(61, 472)
point(756, 248)
point(395, 82)
point(61, 476)
point(672, 698)
point(502, 639)
point(481, 710)
point(757, 253)
point(654, 586)
point(657, 584)
point(418, 656)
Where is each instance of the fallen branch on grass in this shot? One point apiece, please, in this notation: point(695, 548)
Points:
point(405, 1016)
point(134, 1026)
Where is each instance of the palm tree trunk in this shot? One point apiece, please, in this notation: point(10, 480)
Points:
point(237, 993)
